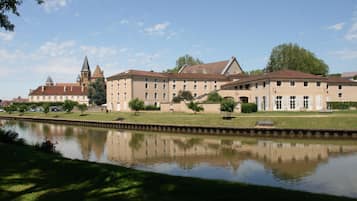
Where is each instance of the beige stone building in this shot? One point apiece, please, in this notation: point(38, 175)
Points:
point(59, 92)
point(154, 88)
point(284, 90)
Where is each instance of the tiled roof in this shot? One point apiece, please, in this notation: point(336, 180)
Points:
point(98, 73)
point(209, 68)
point(67, 84)
point(85, 66)
point(59, 91)
point(282, 74)
point(340, 80)
point(349, 74)
point(168, 75)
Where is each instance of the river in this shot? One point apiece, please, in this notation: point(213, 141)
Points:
point(324, 166)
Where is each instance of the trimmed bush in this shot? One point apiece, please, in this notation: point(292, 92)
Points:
point(341, 105)
point(249, 107)
point(228, 105)
point(151, 107)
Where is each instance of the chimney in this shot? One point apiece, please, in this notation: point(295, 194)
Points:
point(71, 88)
point(64, 88)
point(43, 88)
point(82, 88)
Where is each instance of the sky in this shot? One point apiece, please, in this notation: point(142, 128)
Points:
point(52, 39)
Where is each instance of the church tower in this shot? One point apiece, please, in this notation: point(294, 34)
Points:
point(85, 73)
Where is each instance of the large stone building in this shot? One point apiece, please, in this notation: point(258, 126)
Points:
point(284, 90)
point(59, 92)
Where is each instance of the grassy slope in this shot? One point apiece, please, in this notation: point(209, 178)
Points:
point(336, 120)
point(27, 174)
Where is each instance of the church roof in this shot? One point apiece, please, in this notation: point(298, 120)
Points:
point(85, 66)
point(98, 73)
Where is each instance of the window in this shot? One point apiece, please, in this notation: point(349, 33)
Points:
point(215, 87)
point(155, 96)
point(256, 85)
point(278, 83)
point(292, 102)
point(146, 79)
point(306, 102)
point(155, 85)
point(194, 86)
point(195, 95)
point(164, 95)
point(264, 84)
point(339, 86)
point(164, 86)
point(146, 85)
point(264, 103)
point(340, 95)
point(256, 100)
point(155, 80)
point(240, 87)
point(173, 81)
point(326, 86)
point(125, 96)
point(247, 86)
point(235, 87)
point(174, 94)
point(184, 87)
point(278, 102)
point(195, 81)
point(292, 83)
point(184, 81)
point(215, 82)
point(205, 87)
point(174, 86)
point(146, 96)
point(318, 84)
point(306, 84)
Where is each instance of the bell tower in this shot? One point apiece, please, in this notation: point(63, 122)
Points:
point(85, 73)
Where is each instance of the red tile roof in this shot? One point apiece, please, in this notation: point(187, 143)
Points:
point(282, 74)
point(59, 91)
point(209, 68)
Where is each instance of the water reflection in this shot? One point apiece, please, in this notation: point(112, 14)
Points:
point(300, 164)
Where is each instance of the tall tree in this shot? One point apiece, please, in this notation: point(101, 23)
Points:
point(10, 6)
point(97, 92)
point(183, 60)
point(293, 57)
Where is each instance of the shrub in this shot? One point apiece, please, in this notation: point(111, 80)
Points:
point(182, 95)
point(10, 137)
point(228, 105)
point(151, 107)
point(68, 105)
point(136, 105)
point(22, 108)
point(194, 107)
point(341, 105)
point(249, 107)
point(46, 108)
point(82, 108)
point(10, 109)
point(214, 97)
point(47, 146)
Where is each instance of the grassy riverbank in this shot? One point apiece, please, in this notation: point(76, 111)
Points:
point(335, 120)
point(27, 174)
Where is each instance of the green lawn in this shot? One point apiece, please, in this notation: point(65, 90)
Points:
point(336, 120)
point(27, 174)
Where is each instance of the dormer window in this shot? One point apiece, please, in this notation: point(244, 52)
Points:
point(292, 83)
point(278, 83)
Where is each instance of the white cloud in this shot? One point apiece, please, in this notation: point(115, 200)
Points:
point(100, 52)
point(51, 5)
point(336, 27)
point(124, 21)
point(346, 54)
point(140, 24)
point(157, 29)
point(352, 32)
point(55, 49)
point(7, 36)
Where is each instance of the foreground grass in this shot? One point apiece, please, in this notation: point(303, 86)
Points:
point(27, 174)
point(336, 120)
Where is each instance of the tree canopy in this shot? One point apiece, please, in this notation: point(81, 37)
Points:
point(293, 57)
point(181, 61)
point(195, 107)
point(97, 92)
point(10, 6)
point(182, 95)
point(136, 105)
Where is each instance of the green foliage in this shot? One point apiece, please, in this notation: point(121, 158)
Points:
point(47, 146)
point(151, 107)
point(68, 105)
point(97, 92)
point(10, 109)
point(291, 56)
point(10, 6)
point(194, 107)
point(256, 72)
point(10, 137)
point(214, 97)
point(182, 95)
point(183, 60)
point(249, 107)
point(335, 75)
point(22, 108)
point(136, 104)
point(341, 105)
point(82, 107)
point(46, 108)
point(228, 105)
point(355, 77)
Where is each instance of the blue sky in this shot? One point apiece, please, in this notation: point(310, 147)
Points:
point(52, 39)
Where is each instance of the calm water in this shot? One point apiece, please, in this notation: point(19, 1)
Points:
point(309, 165)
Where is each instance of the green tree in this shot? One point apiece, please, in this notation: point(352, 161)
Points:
point(182, 95)
point(214, 97)
point(10, 109)
point(256, 72)
point(291, 56)
point(82, 107)
point(136, 105)
point(10, 6)
point(68, 105)
point(183, 60)
point(97, 92)
point(195, 107)
point(46, 108)
point(22, 108)
point(228, 105)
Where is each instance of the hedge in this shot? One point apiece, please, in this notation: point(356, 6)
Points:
point(151, 107)
point(249, 107)
point(341, 105)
